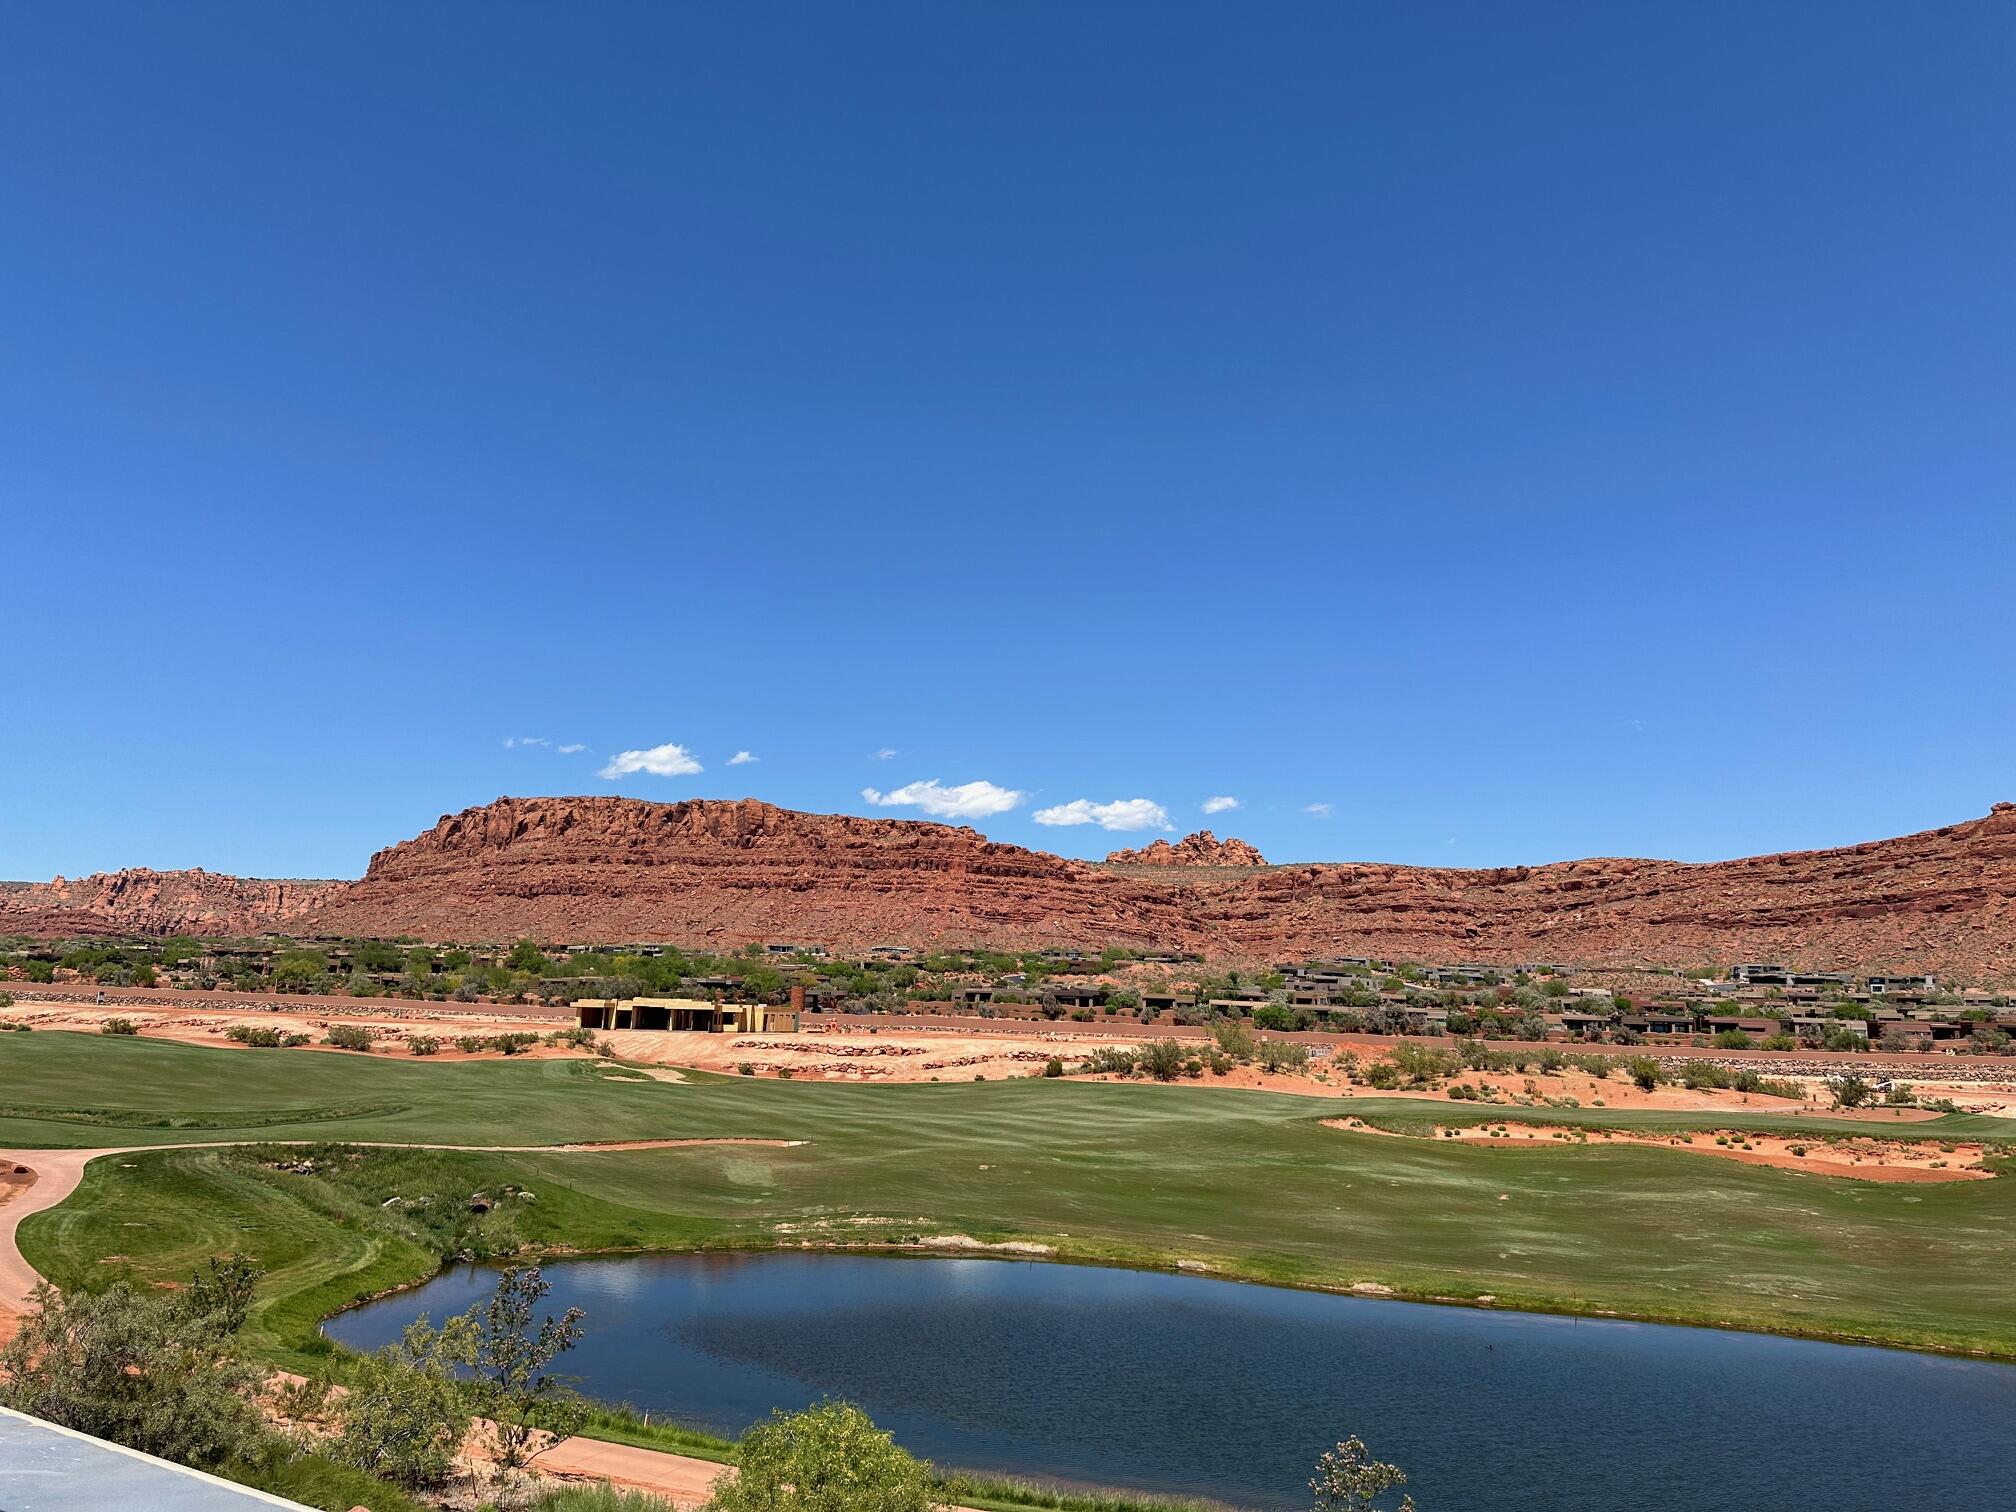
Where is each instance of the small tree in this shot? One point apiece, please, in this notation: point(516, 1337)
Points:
point(1645, 1071)
point(1851, 1091)
point(512, 1361)
point(1348, 1479)
point(406, 1413)
point(526, 956)
point(828, 1458)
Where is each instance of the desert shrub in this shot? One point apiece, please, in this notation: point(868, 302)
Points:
point(118, 1026)
point(1424, 1064)
point(828, 1458)
point(1162, 1059)
point(1382, 1075)
point(1053, 1067)
point(1219, 1062)
point(348, 1037)
point(1233, 1038)
point(1645, 1071)
point(747, 1068)
point(1700, 1074)
point(406, 1413)
point(1732, 1039)
point(423, 1044)
point(469, 1044)
point(785, 1073)
point(1900, 1095)
point(1111, 1060)
point(262, 1036)
point(145, 1369)
point(1282, 1055)
point(514, 1044)
point(1851, 1091)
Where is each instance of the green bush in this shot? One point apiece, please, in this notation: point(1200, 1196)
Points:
point(1162, 1059)
point(423, 1044)
point(118, 1026)
point(828, 1458)
point(348, 1037)
point(1282, 1055)
point(1645, 1071)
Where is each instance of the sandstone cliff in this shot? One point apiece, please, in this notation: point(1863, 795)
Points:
point(576, 870)
point(1200, 849)
point(143, 902)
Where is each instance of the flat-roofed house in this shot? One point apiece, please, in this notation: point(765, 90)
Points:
point(684, 1016)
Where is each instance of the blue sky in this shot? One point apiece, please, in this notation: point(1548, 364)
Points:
point(1463, 434)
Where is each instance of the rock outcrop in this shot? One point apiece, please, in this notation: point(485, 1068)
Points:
point(144, 902)
point(1200, 849)
point(578, 870)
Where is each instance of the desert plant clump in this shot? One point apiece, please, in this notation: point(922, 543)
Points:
point(1282, 1055)
point(423, 1044)
point(828, 1458)
point(118, 1026)
point(1646, 1072)
point(348, 1037)
point(1162, 1059)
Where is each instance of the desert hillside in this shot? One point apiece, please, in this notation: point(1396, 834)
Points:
point(617, 869)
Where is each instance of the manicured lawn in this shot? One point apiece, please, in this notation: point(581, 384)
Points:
point(1248, 1183)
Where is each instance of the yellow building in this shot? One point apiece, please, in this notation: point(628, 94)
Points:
point(686, 1015)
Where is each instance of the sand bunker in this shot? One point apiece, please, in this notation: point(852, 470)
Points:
point(1862, 1158)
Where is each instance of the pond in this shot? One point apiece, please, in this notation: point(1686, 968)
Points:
point(1191, 1386)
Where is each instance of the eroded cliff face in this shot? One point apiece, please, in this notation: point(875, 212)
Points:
point(722, 873)
point(1943, 900)
point(1200, 849)
point(581, 870)
point(143, 902)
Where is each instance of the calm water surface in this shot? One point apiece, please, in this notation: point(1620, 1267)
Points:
point(1187, 1385)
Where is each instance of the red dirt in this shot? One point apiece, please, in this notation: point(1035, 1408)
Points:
point(724, 873)
point(1860, 1159)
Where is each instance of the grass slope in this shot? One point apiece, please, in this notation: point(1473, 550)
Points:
point(1250, 1184)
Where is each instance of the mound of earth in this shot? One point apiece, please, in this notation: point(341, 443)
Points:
point(580, 870)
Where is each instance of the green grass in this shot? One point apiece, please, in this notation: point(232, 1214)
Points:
point(1248, 1184)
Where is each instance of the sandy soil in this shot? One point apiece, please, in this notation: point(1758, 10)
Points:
point(208, 1026)
point(1862, 1158)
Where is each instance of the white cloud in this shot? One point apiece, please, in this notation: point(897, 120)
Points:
point(1223, 805)
point(1120, 814)
point(512, 742)
point(884, 754)
point(969, 800)
point(743, 758)
point(667, 760)
point(1320, 810)
point(572, 750)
